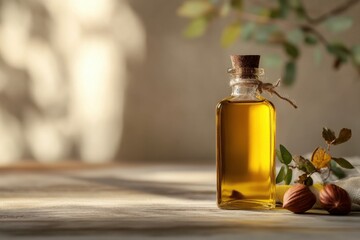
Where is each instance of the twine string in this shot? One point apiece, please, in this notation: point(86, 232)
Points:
point(270, 88)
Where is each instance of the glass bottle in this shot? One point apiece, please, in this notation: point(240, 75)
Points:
point(245, 141)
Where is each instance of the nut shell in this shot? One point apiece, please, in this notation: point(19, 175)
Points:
point(335, 200)
point(299, 199)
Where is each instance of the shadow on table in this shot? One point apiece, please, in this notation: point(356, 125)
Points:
point(190, 191)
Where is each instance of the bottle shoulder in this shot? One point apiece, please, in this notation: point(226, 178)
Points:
point(235, 101)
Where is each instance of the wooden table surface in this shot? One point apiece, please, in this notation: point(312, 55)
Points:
point(142, 202)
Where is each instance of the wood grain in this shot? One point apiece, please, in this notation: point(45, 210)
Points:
point(138, 202)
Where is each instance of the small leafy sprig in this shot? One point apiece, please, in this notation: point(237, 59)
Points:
point(321, 161)
point(287, 25)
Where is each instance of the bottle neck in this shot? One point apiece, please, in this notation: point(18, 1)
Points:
point(245, 89)
point(244, 83)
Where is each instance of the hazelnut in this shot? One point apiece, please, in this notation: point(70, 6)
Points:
point(298, 199)
point(335, 200)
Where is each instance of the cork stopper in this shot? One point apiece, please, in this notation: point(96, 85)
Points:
point(245, 66)
point(245, 61)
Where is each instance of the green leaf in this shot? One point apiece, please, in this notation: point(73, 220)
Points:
point(343, 163)
point(285, 154)
point(294, 36)
point(318, 55)
point(338, 24)
point(356, 54)
point(309, 181)
point(272, 61)
point(310, 168)
point(283, 8)
point(288, 176)
point(194, 8)
point(274, 13)
point(230, 34)
point(196, 28)
point(338, 172)
point(248, 30)
point(291, 50)
point(281, 175)
point(237, 4)
point(264, 33)
point(310, 39)
point(278, 154)
point(298, 8)
point(290, 73)
point(344, 136)
point(339, 51)
point(328, 135)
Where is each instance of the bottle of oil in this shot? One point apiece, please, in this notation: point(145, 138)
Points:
point(245, 141)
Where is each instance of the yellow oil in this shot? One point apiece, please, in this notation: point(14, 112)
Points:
point(245, 154)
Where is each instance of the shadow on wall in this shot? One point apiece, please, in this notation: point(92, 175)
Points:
point(74, 84)
point(63, 75)
point(171, 98)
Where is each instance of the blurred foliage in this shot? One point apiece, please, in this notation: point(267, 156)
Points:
point(282, 23)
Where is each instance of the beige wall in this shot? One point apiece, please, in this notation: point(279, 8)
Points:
point(102, 80)
point(171, 98)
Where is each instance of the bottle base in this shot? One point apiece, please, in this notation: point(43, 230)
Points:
point(247, 205)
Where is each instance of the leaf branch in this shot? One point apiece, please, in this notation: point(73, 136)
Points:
point(320, 37)
point(281, 23)
point(333, 12)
